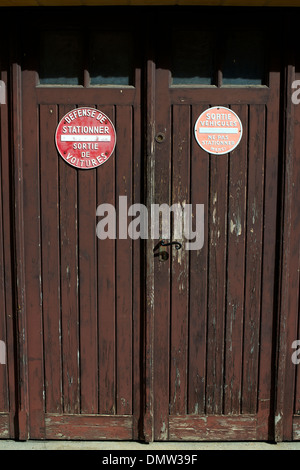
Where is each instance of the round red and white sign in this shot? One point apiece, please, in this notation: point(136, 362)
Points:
point(218, 130)
point(85, 138)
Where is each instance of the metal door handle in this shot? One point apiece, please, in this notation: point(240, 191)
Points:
point(163, 254)
point(177, 245)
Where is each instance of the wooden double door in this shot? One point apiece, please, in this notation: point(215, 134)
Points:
point(116, 340)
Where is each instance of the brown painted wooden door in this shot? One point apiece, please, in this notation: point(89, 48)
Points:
point(213, 313)
point(82, 302)
point(119, 344)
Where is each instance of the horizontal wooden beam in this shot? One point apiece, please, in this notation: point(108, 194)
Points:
point(254, 3)
point(213, 428)
point(89, 427)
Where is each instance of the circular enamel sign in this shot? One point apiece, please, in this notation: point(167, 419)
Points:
point(85, 138)
point(218, 130)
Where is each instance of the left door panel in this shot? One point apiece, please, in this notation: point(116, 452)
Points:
point(82, 311)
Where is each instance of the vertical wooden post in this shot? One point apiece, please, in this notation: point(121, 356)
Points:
point(290, 249)
point(22, 374)
point(148, 403)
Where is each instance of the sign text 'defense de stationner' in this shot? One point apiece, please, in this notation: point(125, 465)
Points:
point(85, 138)
point(218, 130)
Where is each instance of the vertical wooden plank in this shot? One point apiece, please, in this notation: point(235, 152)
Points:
point(87, 255)
point(253, 257)
point(198, 279)
point(49, 161)
point(4, 314)
point(10, 293)
point(217, 283)
point(147, 320)
point(18, 178)
point(69, 281)
point(106, 289)
point(124, 262)
point(180, 262)
point(162, 268)
point(138, 267)
point(4, 396)
point(32, 242)
point(270, 261)
point(235, 270)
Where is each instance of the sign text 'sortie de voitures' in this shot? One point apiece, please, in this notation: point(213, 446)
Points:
point(85, 138)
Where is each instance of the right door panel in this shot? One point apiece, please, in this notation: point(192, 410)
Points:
point(214, 306)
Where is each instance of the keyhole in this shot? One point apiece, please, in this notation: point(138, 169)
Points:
point(160, 137)
point(163, 255)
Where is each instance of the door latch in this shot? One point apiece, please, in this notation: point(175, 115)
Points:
point(163, 254)
point(177, 245)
